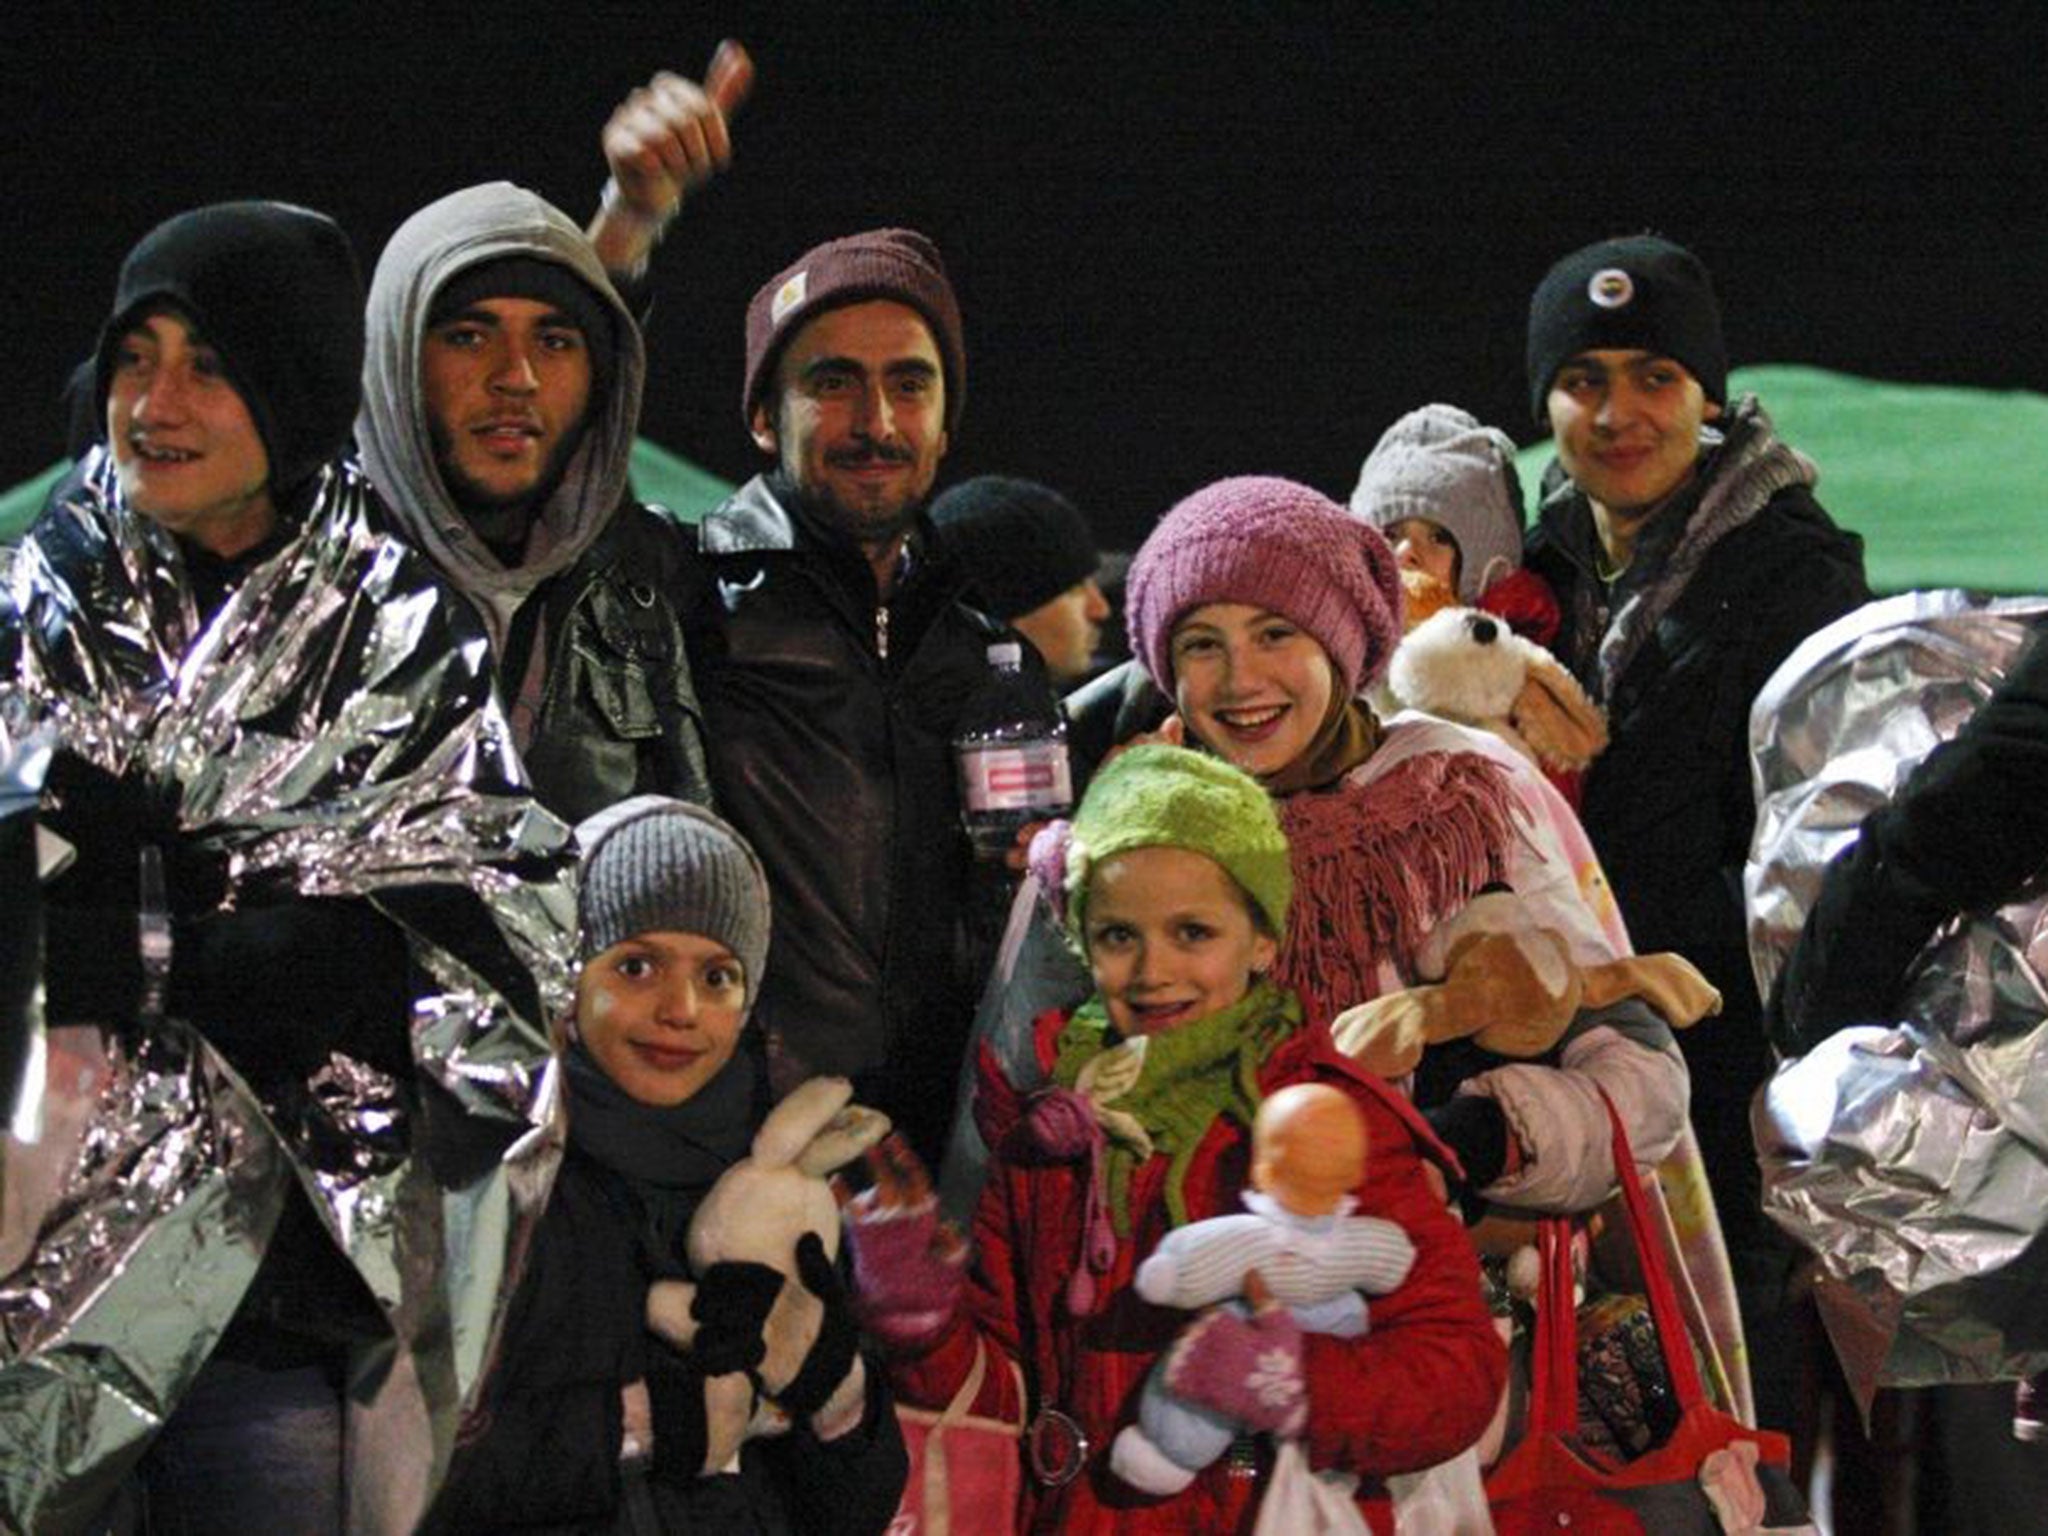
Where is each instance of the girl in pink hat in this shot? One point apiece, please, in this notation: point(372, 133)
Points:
point(1265, 611)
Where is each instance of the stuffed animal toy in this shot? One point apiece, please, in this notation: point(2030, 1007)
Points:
point(1512, 988)
point(1300, 1244)
point(760, 1212)
point(1464, 665)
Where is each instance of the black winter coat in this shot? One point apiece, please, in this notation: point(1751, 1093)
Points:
point(1669, 805)
point(830, 719)
point(541, 1455)
point(619, 714)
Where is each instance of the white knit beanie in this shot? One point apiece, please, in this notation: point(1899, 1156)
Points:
point(1440, 464)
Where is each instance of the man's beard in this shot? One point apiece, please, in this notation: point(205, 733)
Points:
point(502, 522)
point(885, 517)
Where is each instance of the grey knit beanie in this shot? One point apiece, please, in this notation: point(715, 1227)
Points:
point(1439, 463)
point(652, 863)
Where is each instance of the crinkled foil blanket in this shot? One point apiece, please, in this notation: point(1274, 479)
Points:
point(330, 727)
point(1911, 1155)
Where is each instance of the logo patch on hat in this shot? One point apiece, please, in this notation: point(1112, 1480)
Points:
point(788, 296)
point(1610, 288)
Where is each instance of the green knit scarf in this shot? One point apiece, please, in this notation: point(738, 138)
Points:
point(1191, 1075)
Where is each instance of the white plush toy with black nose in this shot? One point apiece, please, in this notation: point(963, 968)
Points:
point(1468, 666)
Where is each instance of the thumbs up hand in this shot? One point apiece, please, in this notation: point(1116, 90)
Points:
point(665, 139)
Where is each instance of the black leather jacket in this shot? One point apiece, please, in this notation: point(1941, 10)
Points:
point(619, 714)
point(830, 719)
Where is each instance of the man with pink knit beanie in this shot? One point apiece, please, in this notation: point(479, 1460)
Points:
point(834, 656)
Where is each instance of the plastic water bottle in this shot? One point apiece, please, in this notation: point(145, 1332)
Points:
point(1012, 749)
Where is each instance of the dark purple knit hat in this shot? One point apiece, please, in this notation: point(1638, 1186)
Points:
point(1275, 545)
point(898, 264)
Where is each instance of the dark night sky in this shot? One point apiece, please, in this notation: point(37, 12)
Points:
point(1189, 240)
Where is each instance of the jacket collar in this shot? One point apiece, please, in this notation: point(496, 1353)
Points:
point(751, 519)
point(762, 516)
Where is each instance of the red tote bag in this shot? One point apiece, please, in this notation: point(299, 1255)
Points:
point(966, 1471)
point(1546, 1485)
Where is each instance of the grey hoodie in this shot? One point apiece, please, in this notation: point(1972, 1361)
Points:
point(475, 225)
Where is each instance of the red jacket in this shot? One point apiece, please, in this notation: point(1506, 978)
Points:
point(1415, 1390)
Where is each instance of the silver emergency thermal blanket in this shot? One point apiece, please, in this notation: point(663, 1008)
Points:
point(331, 732)
point(1911, 1155)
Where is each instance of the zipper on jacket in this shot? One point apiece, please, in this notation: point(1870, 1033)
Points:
point(882, 631)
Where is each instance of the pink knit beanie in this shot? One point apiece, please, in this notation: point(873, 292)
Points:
point(897, 264)
point(1274, 545)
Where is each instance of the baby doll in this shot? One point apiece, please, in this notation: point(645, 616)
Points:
point(1300, 1244)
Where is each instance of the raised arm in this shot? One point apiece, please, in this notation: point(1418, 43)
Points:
point(666, 139)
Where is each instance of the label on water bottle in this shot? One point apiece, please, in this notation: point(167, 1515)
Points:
point(1032, 777)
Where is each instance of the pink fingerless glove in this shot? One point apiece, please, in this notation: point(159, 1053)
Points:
point(1246, 1367)
point(908, 1265)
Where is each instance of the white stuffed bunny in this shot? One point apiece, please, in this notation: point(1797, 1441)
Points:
point(756, 1213)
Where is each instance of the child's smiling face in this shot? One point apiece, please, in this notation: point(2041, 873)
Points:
point(661, 1013)
point(1170, 939)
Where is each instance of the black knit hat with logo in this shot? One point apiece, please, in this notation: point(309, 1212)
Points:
point(275, 290)
point(1638, 292)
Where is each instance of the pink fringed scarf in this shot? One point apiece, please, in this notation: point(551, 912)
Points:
point(1378, 863)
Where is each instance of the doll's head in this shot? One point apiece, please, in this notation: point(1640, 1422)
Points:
point(1177, 884)
point(673, 918)
point(1308, 1148)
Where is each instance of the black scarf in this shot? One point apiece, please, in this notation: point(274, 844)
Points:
point(666, 1158)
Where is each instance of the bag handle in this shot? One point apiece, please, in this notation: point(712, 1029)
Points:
point(1554, 1385)
point(937, 1514)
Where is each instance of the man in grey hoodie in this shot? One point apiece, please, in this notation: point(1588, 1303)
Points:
point(501, 397)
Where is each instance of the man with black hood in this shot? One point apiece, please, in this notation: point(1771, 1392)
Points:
point(279, 776)
point(501, 397)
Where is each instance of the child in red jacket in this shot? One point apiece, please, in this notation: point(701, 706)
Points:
point(1175, 881)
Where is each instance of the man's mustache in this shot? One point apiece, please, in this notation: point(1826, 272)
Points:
point(886, 453)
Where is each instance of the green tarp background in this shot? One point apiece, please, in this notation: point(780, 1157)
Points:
point(1947, 485)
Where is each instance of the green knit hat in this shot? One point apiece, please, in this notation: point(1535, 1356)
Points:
point(1170, 797)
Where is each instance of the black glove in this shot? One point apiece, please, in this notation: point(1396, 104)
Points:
point(731, 1308)
point(675, 1402)
point(108, 820)
point(1474, 1127)
point(832, 1353)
